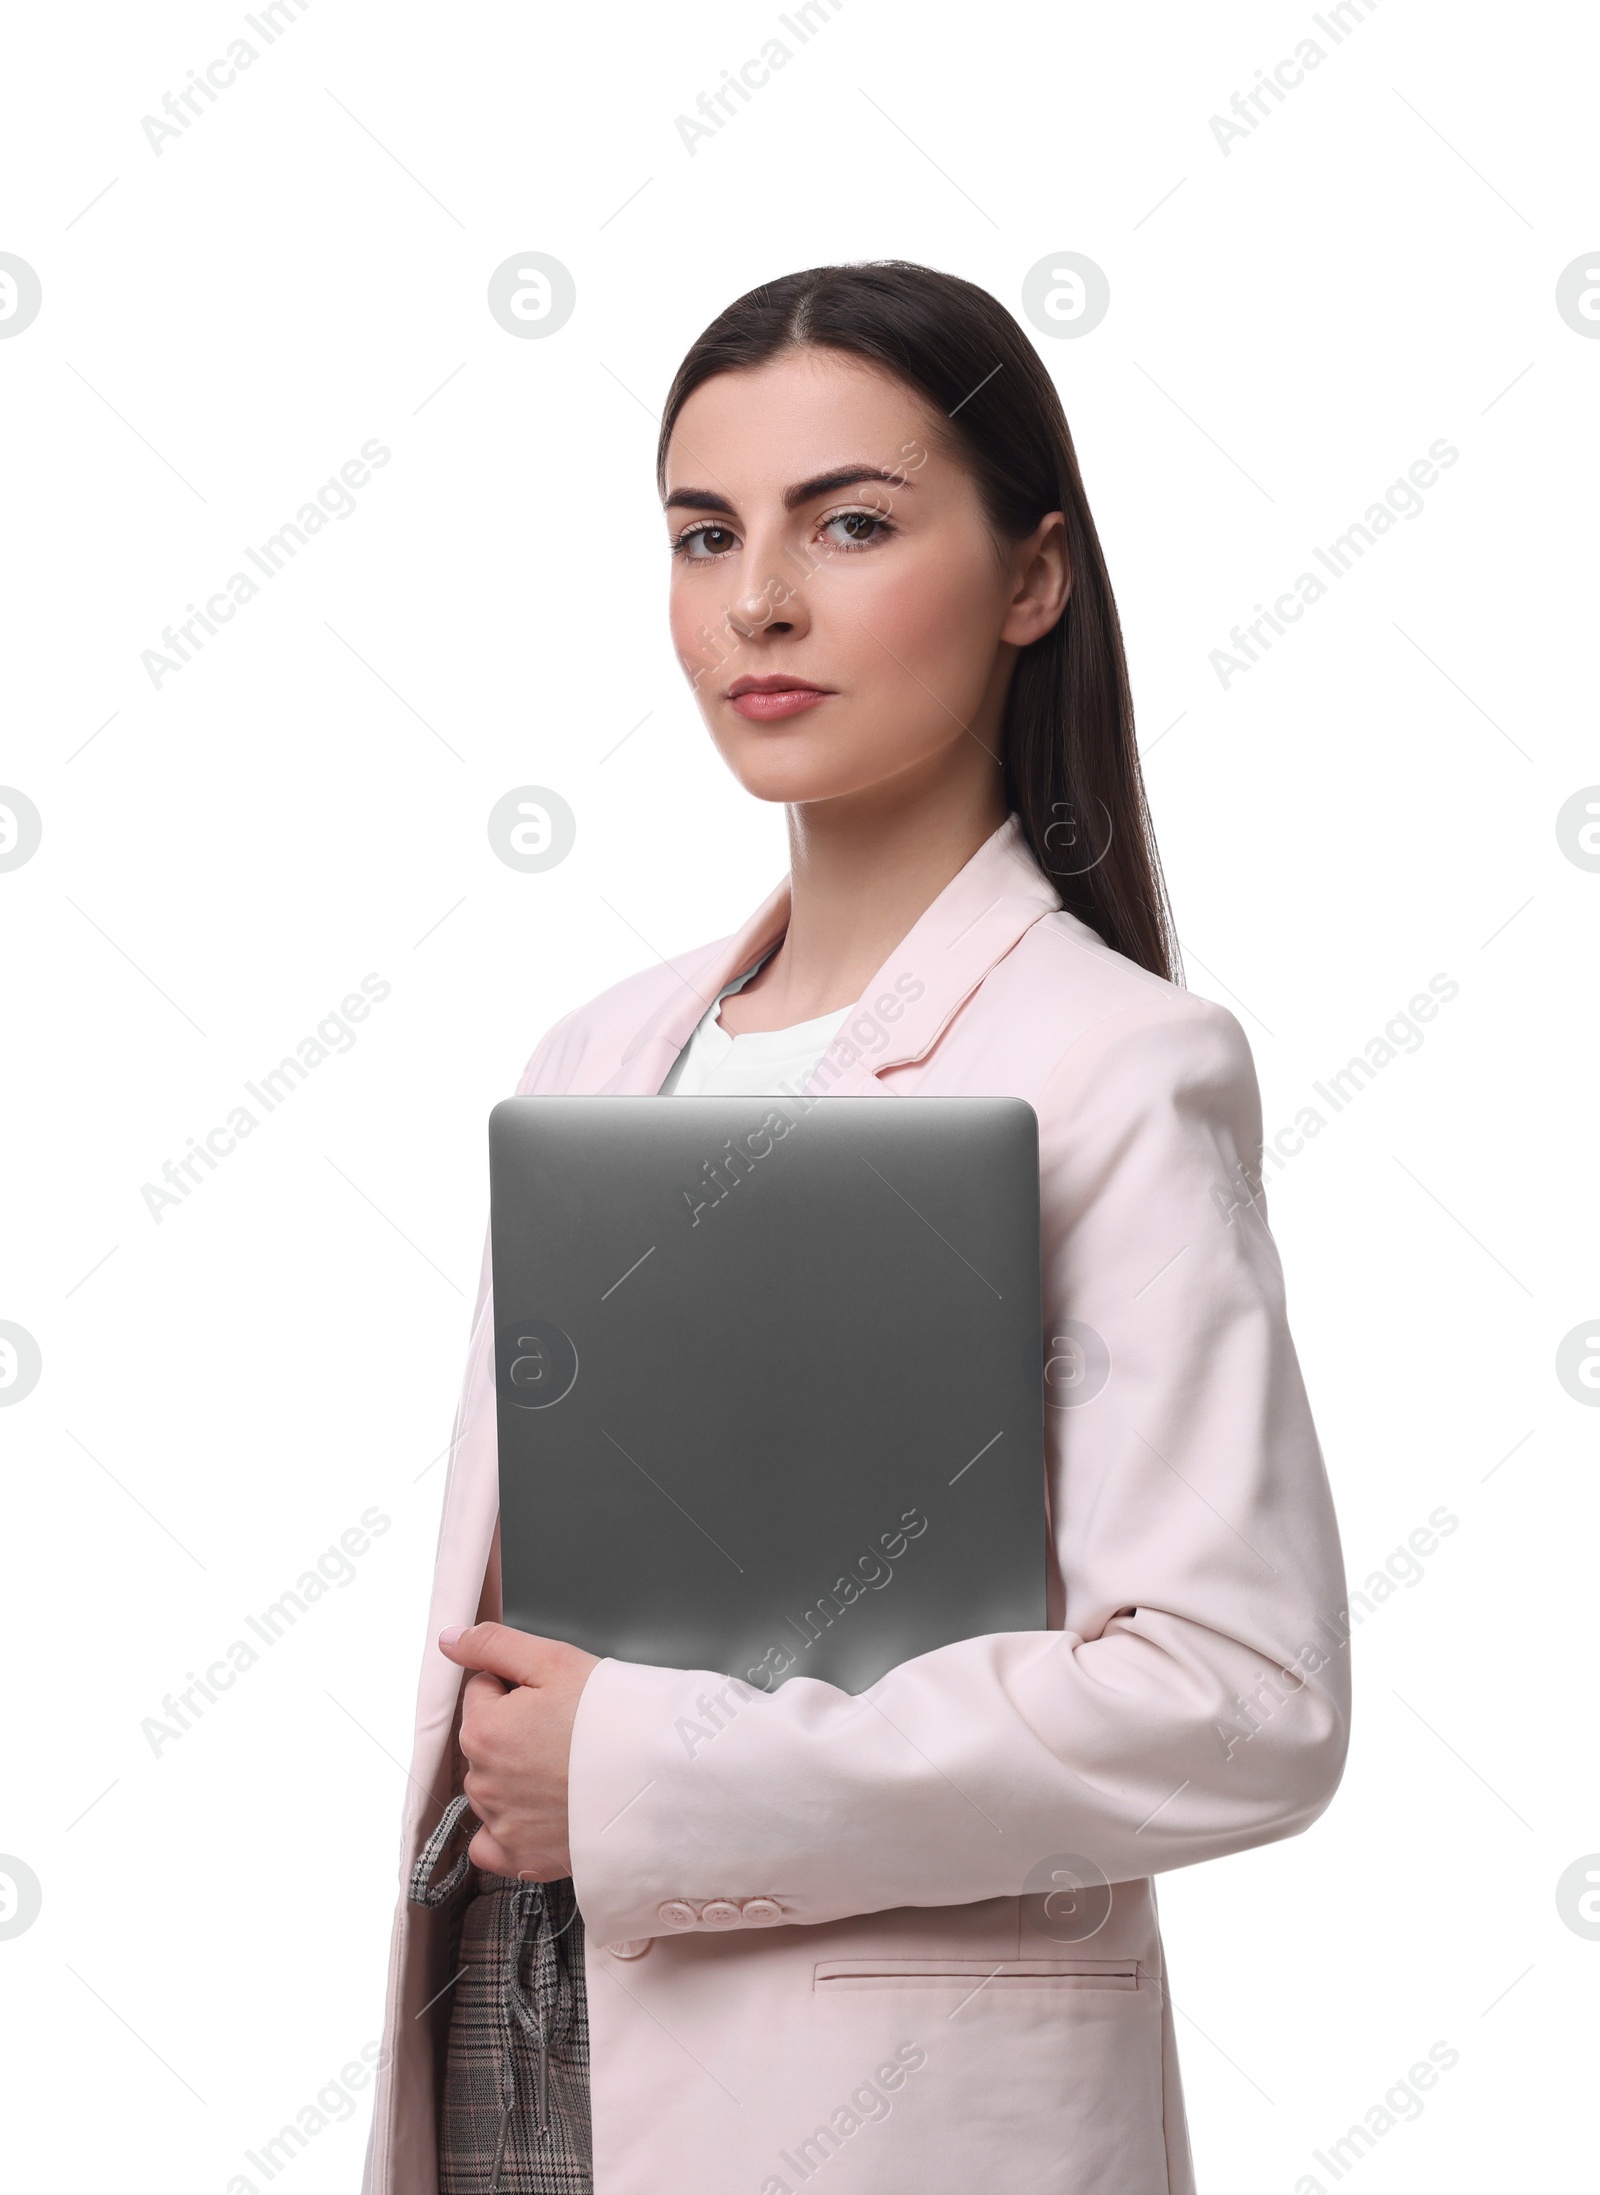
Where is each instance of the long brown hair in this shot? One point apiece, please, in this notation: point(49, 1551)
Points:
point(1071, 760)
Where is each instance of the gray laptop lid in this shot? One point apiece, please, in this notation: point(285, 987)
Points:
point(769, 1377)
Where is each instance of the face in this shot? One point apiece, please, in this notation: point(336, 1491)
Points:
point(839, 602)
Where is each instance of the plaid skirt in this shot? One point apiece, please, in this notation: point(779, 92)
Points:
point(514, 2117)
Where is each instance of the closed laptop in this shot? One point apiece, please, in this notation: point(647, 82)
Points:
point(769, 1378)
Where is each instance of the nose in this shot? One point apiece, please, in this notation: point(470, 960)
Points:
point(768, 608)
point(769, 600)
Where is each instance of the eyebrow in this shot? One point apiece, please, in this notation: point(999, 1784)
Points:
point(803, 491)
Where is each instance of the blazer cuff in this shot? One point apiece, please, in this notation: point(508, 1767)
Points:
point(642, 1782)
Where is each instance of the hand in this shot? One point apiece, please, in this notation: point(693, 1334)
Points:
point(517, 1715)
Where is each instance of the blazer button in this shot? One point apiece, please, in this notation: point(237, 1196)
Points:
point(720, 1913)
point(761, 1910)
point(634, 1947)
point(678, 1913)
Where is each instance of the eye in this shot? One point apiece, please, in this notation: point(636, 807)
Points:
point(706, 539)
point(855, 529)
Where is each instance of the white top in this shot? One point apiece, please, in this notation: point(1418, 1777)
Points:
point(761, 1063)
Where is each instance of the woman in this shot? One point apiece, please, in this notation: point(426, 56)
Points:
point(917, 1946)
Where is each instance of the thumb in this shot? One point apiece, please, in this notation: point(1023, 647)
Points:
point(517, 1656)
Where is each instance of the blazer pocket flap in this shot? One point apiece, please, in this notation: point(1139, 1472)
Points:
point(975, 1974)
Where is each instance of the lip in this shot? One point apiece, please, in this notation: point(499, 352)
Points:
point(764, 699)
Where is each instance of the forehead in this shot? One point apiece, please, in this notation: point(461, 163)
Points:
point(799, 415)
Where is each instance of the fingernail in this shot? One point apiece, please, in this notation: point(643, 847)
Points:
point(451, 1633)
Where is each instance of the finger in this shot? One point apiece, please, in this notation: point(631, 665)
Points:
point(518, 1656)
point(485, 1852)
point(479, 1695)
point(480, 1689)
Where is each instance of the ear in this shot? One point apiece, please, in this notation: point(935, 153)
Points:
point(1042, 574)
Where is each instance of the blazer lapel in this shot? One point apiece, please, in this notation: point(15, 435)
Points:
point(936, 967)
point(648, 1056)
point(905, 1007)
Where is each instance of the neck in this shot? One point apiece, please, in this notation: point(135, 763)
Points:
point(862, 870)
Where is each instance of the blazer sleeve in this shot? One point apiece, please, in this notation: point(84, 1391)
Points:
point(1195, 1700)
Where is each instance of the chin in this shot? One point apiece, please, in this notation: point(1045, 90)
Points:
point(789, 768)
point(797, 787)
point(785, 762)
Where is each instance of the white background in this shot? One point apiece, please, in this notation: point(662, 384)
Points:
point(224, 323)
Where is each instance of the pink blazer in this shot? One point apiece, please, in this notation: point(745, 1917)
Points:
point(817, 1928)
